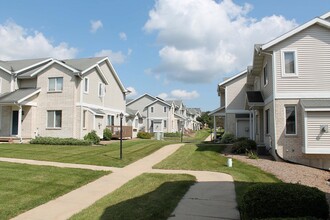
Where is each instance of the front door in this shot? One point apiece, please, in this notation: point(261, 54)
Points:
point(243, 128)
point(14, 126)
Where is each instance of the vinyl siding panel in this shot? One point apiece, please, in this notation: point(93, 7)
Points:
point(92, 97)
point(317, 139)
point(114, 97)
point(236, 93)
point(5, 82)
point(313, 52)
point(28, 83)
point(267, 90)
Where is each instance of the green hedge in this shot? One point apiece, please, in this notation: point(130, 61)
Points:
point(283, 200)
point(144, 135)
point(92, 137)
point(107, 134)
point(227, 138)
point(58, 141)
point(243, 146)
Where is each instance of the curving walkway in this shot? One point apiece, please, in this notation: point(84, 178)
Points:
point(212, 197)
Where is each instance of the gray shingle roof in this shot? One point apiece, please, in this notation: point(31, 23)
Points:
point(17, 96)
point(16, 65)
point(82, 63)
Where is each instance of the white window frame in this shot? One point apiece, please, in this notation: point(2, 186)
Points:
point(265, 75)
point(152, 109)
point(165, 124)
point(86, 81)
point(296, 73)
point(101, 90)
point(54, 122)
point(267, 122)
point(165, 109)
point(56, 84)
point(295, 119)
point(84, 119)
point(110, 122)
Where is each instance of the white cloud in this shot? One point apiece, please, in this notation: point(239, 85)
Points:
point(163, 95)
point(95, 25)
point(133, 92)
point(122, 36)
point(185, 95)
point(203, 39)
point(16, 42)
point(115, 57)
point(179, 94)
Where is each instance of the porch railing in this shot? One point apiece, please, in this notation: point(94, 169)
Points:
point(127, 131)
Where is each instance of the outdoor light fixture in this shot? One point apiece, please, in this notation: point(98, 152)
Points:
point(121, 134)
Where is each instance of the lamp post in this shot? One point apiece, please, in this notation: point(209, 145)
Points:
point(121, 135)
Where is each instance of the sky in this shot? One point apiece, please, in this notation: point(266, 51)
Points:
point(173, 49)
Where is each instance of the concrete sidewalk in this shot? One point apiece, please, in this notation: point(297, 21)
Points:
point(213, 196)
point(73, 202)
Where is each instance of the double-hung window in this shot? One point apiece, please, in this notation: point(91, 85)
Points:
point(290, 120)
point(151, 109)
point(266, 75)
point(55, 84)
point(289, 63)
point(54, 119)
point(110, 120)
point(165, 109)
point(101, 89)
point(267, 121)
point(86, 85)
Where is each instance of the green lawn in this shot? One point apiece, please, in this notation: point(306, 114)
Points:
point(147, 197)
point(206, 157)
point(23, 187)
point(107, 155)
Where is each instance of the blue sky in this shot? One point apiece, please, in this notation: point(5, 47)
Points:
point(175, 49)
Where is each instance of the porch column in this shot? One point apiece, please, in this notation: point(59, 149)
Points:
point(19, 132)
point(214, 128)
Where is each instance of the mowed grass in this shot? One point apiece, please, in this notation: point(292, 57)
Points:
point(207, 157)
point(107, 155)
point(147, 197)
point(23, 187)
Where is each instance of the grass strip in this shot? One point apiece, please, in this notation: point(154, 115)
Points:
point(207, 157)
point(146, 197)
point(107, 155)
point(23, 187)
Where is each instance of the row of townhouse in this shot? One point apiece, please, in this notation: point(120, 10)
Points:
point(59, 98)
point(153, 114)
point(282, 101)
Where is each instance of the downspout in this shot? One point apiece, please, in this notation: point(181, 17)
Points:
point(81, 108)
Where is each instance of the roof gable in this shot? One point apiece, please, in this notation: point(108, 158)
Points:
point(142, 96)
point(158, 100)
point(298, 29)
point(232, 78)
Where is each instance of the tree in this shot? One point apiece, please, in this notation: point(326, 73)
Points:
point(205, 119)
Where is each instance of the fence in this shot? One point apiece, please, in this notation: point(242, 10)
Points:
point(115, 130)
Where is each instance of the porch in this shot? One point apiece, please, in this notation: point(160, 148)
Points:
point(127, 131)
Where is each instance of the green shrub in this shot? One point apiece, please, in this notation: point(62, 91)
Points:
point(172, 134)
point(252, 155)
point(283, 200)
point(92, 137)
point(144, 135)
point(107, 134)
point(58, 141)
point(227, 138)
point(244, 146)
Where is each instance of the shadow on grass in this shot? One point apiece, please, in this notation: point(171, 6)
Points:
point(209, 146)
point(158, 204)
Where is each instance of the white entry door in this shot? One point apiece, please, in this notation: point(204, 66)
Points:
point(243, 128)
